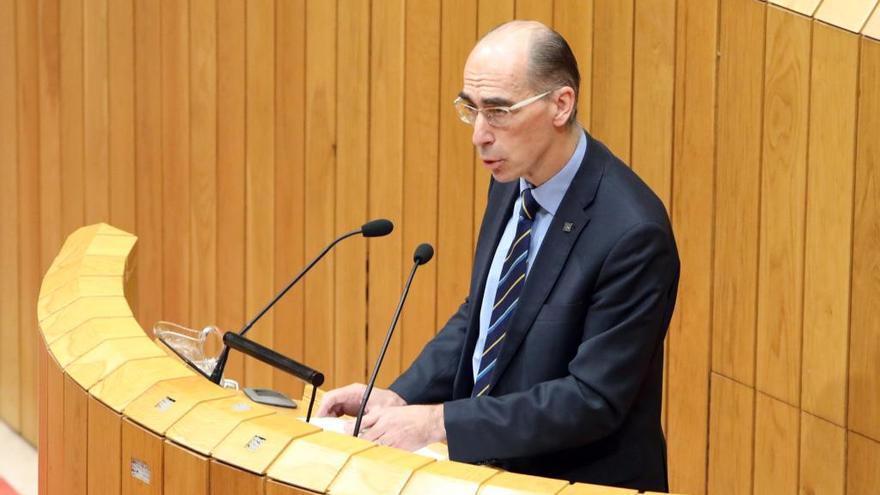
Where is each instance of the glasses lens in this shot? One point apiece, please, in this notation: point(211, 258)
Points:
point(496, 117)
point(466, 113)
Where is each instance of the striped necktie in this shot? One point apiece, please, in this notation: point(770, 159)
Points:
point(510, 285)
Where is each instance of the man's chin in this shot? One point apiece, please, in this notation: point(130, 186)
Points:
point(503, 176)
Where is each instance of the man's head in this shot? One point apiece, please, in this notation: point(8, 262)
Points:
point(513, 66)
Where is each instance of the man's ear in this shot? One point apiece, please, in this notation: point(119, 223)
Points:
point(564, 101)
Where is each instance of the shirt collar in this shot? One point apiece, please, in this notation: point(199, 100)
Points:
point(550, 193)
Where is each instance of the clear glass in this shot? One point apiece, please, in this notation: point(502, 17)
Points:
point(192, 345)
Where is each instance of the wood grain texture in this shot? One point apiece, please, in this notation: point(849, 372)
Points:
point(731, 430)
point(864, 357)
point(828, 250)
point(777, 430)
point(535, 10)
point(847, 14)
point(54, 386)
point(71, 115)
point(121, 93)
point(783, 197)
point(573, 19)
point(96, 112)
point(74, 470)
point(185, 471)
point(611, 116)
point(737, 188)
point(822, 456)
point(104, 448)
point(872, 27)
point(805, 7)
point(863, 456)
point(48, 18)
point(141, 446)
point(227, 480)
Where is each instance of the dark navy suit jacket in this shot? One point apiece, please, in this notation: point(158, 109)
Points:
point(577, 389)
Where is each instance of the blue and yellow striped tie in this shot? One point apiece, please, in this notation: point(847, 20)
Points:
point(510, 285)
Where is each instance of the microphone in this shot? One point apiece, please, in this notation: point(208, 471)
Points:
point(373, 228)
point(422, 255)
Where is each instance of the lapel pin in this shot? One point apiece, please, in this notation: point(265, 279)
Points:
point(567, 227)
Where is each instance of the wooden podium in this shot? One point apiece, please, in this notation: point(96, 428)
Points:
point(120, 415)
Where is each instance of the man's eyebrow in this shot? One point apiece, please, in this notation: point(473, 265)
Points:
point(492, 101)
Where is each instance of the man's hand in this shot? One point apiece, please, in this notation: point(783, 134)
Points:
point(409, 428)
point(347, 400)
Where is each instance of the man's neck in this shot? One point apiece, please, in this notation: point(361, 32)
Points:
point(558, 155)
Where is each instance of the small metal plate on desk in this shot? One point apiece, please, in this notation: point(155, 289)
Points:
point(269, 397)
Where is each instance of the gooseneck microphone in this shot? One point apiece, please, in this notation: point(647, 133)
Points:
point(422, 255)
point(373, 228)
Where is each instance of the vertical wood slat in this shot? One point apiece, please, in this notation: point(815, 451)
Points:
point(10, 366)
point(74, 469)
point(611, 117)
point(121, 93)
point(863, 456)
point(822, 456)
point(783, 197)
point(351, 202)
point(864, 360)
point(71, 115)
point(386, 179)
point(573, 19)
point(535, 10)
point(777, 430)
point(692, 204)
point(290, 25)
point(104, 448)
point(260, 178)
point(96, 114)
point(55, 428)
point(731, 428)
point(48, 18)
point(738, 179)
point(423, 104)
point(140, 445)
point(185, 471)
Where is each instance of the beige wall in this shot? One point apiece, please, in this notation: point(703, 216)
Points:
point(237, 138)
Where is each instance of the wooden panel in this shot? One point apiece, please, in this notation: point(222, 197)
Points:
point(71, 115)
point(134, 378)
point(141, 448)
point(256, 443)
point(610, 120)
point(805, 7)
point(207, 424)
point(864, 365)
point(520, 484)
point(320, 175)
point(422, 106)
point(386, 180)
point(44, 421)
point(290, 184)
point(863, 457)
point(454, 204)
point(823, 454)
point(104, 448)
point(584, 489)
point(872, 27)
point(121, 101)
point(185, 471)
point(227, 480)
point(828, 252)
point(29, 263)
point(783, 193)
point(731, 429)
point(652, 94)
point(231, 174)
point(692, 200)
point(96, 121)
point(10, 366)
point(776, 446)
point(50, 136)
point(75, 439)
point(573, 19)
point(275, 488)
point(846, 14)
point(352, 179)
point(203, 164)
point(440, 478)
point(535, 10)
point(377, 470)
point(148, 159)
point(175, 20)
point(314, 461)
point(737, 187)
point(54, 466)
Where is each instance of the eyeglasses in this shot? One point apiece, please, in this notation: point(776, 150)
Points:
point(495, 116)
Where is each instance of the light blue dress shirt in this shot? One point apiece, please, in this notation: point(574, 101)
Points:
point(548, 195)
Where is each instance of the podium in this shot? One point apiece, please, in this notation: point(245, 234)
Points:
point(118, 414)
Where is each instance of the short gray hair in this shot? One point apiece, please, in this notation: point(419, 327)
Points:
point(552, 65)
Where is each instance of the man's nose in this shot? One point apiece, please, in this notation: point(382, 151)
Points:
point(482, 132)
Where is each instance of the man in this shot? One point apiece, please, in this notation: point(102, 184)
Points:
point(553, 364)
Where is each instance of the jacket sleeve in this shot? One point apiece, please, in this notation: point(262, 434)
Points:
point(628, 315)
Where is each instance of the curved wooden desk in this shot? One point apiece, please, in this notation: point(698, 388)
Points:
point(120, 415)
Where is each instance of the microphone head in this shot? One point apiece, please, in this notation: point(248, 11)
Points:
point(377, 228)
point(423, 253)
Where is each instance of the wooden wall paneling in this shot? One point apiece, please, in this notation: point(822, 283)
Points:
point(422, 106)
point(535, 10)
point(260, 159)
point(783, 198)
point(611, 116)
point(103, 448)
point(731, 430)
point(50, 135)
point(74, 471)
point(777, 431)
point(573, 19)
point(203, 162)
point(54, 386)
point(276, 488)
point(42, 444)
point(185, 471)
point(176, 262)
point(71, 115)
point(692, 206)
point(805, 7)
point(352, 190)
point(148, 160)
point(10, 366)
point(142, 449)
point(828, 251)
point(228, 480)
point(455, 191)
point(121, 91)
point(863, 457)
point(864, 355)
point(290, 77)
point(822, 456)
point(737, 188)
point(388, 256)
point(230, 267)
point(847, 14)
point(96, 115)
point(30, 268)
point(320, 175)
